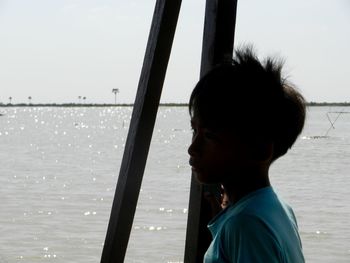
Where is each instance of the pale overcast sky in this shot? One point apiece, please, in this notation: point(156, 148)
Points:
point(58, 50)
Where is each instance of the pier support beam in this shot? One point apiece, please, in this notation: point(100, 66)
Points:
point(141, 128)
point(218, 39)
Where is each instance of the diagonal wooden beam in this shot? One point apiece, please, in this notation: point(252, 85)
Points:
point(141, 128)
point(218, 39)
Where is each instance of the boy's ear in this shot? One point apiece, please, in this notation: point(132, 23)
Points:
point(261, 152)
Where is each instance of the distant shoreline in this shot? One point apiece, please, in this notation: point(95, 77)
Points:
point(339, 104)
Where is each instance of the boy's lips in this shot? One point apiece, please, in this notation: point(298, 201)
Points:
point(193, 163)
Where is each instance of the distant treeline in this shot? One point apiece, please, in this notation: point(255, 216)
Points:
point(83, 105)
point(131, 104)
point(61, 105)
point(328, 103)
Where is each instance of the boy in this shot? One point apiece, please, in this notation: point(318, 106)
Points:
point(244, 116)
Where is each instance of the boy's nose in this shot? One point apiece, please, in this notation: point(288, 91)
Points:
point(190, 150)
point(193, 148)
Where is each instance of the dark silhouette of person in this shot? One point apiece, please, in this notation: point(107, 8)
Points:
point(245, 116)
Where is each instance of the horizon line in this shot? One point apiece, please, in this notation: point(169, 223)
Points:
point(177, 104)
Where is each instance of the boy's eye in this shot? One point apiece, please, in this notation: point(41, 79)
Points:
point(210, 135)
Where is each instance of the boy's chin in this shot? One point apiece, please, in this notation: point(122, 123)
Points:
point(205, 178)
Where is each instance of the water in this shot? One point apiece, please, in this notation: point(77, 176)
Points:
point(59, 167)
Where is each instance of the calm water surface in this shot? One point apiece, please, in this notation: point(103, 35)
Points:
point(59, 168)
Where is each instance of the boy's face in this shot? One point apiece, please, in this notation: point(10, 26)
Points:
point(216, 156)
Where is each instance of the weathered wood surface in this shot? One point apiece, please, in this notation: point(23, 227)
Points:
point(141, 128)
point(218, 39)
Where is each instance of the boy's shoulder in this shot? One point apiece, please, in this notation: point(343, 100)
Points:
point(262, 223)
point(260, 211)
point(257, 202)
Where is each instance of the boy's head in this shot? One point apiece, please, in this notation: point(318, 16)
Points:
point(252, 101)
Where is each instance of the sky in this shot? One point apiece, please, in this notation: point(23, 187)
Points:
point(58, 50)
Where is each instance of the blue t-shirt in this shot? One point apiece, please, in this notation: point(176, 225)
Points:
point(258, 228)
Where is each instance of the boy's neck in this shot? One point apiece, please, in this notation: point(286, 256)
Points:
point(248, 182)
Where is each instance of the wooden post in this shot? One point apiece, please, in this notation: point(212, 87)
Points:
point(218, 39)
point(141, 128)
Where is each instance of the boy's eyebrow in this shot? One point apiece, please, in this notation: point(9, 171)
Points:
point(197, 123)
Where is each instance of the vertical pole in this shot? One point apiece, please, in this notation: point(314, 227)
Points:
point(218, 39)
point(141, 128)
